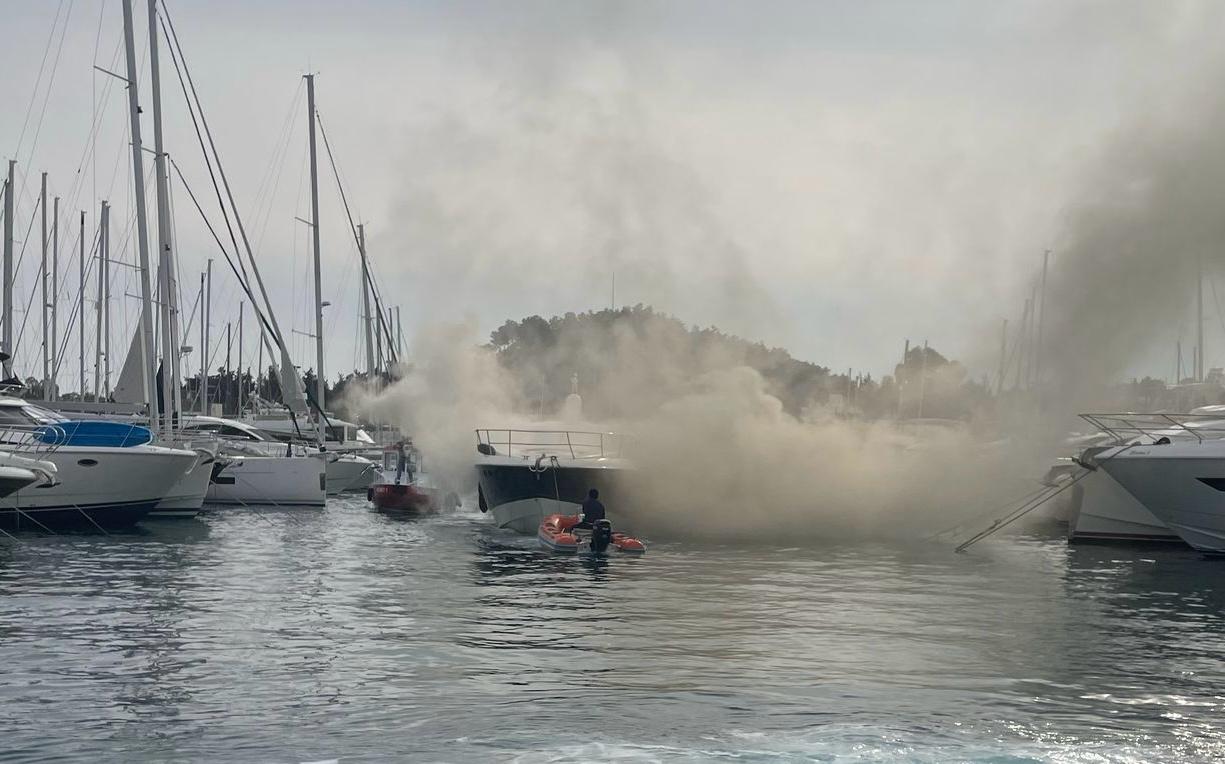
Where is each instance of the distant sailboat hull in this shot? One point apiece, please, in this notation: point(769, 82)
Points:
point(292, 481)
point(348, 472)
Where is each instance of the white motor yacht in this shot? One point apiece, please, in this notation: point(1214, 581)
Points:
point(1181, 482)
point(1103, 509)
point(104, 484)
point(525, 475)
point(17, 472)
point(292, 477)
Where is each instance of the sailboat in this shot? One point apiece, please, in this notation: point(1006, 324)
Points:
point(99, 484)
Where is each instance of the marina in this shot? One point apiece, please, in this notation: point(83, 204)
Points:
point(509, 382)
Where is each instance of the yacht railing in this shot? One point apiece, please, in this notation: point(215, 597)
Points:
point(264, 447)
point(32, 439)
point(580, 444)
point(1129, 426)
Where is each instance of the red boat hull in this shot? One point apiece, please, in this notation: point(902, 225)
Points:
point(401, 498)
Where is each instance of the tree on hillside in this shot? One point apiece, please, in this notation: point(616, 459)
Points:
point(632, 359)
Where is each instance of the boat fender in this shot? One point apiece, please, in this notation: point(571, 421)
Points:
point(370, 493)
point(486, 449)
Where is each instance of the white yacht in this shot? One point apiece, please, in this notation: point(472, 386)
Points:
point(106, 483)
point(186, 497)
point(525, 475)
point(1104, 508)
point(284, 482)
point(340, 437)
point(1181, 482)
point(1103, 511)
point(17, 472)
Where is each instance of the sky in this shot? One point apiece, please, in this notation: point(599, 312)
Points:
point(830, 177)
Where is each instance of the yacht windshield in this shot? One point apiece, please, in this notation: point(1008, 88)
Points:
point(40, 415)
point(27, 415)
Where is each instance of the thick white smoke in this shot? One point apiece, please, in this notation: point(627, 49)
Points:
point(716, 455)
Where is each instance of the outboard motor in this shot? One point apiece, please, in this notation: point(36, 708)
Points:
point(601, 536)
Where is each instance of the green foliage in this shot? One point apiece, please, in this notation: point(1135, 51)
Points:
point(633, 359)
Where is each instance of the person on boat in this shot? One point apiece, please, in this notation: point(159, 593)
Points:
point(593, 510)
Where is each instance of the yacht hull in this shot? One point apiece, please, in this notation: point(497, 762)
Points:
point(87, 517)
point(1104, 512)
point(520, 498)
point(348, 472)
point(1183, 484)
point(13, 479)
point(186, 498)
point(96, 488)
point(400, 497)
point(298, 481)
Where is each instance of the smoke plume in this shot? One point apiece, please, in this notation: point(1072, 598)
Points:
point(715, 453)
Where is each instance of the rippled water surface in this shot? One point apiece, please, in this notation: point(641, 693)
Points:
point(292, 636)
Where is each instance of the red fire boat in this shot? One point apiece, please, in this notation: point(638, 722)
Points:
point(400, 486)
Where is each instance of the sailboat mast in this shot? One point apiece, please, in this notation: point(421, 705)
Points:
point(106, 302)
point(203, 349)
point(319, 373)
point(376, 316)
point(81, 308)
point(241, 305)
point(142, 223)
point(1046, 258)
point(399, 334)
point(55, 299)
point(208, 317)
point(8, 270)
point(42, 209)
point(102, 255)
point(366, 316)
point(1199, 321)
point(999, 386)
point(165, 257)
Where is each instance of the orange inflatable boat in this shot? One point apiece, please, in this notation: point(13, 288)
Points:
point(559, 534)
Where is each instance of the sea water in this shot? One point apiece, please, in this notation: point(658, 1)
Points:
point(343, 634)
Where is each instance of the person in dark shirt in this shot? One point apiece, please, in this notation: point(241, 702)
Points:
point(592, 510)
